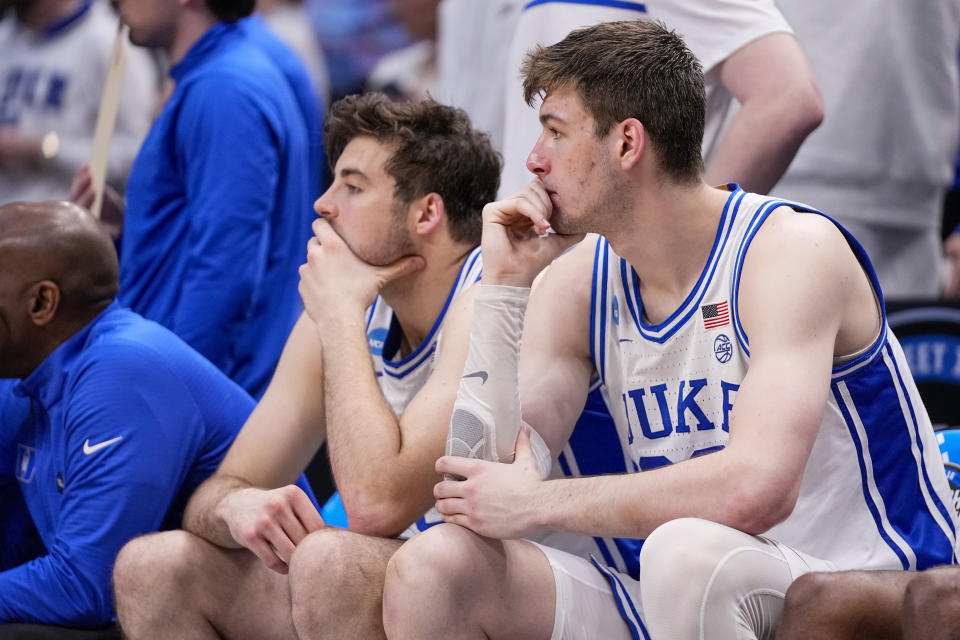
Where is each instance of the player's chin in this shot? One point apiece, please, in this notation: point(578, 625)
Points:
point(563, 223)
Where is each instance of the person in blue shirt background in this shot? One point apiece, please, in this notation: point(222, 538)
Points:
point(219, 200)
point(112, 424)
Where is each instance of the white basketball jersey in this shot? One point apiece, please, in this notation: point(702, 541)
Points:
point(401, 378)
point(874, 493)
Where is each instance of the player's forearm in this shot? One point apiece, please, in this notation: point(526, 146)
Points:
point(363, 434)
point(489, 393)
point(757, 162)
point(204, 515)
point(712, 487)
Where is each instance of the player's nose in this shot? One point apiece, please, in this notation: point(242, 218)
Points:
point(324, 205)
point(537, 162)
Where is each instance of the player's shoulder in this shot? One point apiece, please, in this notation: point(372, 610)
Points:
point(798, 258)
point(795, 237)
point(572, 271)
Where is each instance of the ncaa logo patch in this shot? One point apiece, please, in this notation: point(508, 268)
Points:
point(616, 311)
point(722, 348)
point(26, 463)
point(375, 339)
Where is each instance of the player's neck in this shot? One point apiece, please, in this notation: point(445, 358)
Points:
point(418, 299)
point(40, 14)
point(678, 226)
point(193, 23)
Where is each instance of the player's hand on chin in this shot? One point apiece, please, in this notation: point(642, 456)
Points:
point(335, 283)
point(518, 241)
point(495, 500)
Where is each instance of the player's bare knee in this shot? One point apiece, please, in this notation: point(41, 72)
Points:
point(933, 593)
point(155, 559)
point(148, 571)
point(810, 591)
point(439, 556)
point(318, 568)
point(325, 551)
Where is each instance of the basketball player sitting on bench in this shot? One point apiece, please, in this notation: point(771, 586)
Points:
point(370, 367)
point(745, 358)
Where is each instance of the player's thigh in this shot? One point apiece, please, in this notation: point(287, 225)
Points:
point(588, 599)
point(234, 590)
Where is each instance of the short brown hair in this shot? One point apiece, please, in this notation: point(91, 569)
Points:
point(631, 69)
point(434, 149)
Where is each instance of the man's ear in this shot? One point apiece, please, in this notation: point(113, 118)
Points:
point(430, 213)
point(44, 300)
point(631, 140)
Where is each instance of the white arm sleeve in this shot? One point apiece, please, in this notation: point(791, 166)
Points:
point(486, 415)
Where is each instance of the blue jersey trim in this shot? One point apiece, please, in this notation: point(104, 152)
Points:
point(662, 332)
point(630, 552)
point(593, 307)
point(624, 603)
point(915, 429)
point(758, 219)
point(398, 373)
point(607, 558)
point(598, 350)
point(413, 359)
point(631, 291)
point(868, 498)
point(927, 534)
point(613, 4)
point(370, 313)
point(858, 251)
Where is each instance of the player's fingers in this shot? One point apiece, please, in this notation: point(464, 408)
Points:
point(306, 513)
point(459, 519)
point(448, 489)
point(536, 188)
point(516, 210)
point(535, 213)
point(279, 536)
point(289, 529)
point(401, 267)
point(457, 466)
point(313, 253)
point(523, 452)
point(323, 232)
point(453, 506)
point(262, 549)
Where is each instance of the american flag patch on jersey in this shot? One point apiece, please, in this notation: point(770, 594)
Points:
point(715, 315)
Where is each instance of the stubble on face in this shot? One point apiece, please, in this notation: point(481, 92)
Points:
point(381, 247)
point(395, 243)
point(594, 201)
